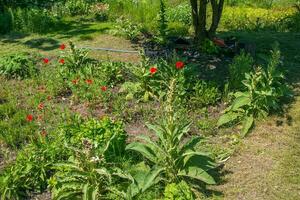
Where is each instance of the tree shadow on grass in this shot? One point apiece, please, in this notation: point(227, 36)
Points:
point(13, 37)
point(46, 44)
point(67, 30)
point(218, 175)
point(80, 29)
point(289, 43)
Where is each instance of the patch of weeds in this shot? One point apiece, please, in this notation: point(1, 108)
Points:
point(18, 66)
point(126, 28)
point(205, 93)
point(32, 168)
point(15, 129)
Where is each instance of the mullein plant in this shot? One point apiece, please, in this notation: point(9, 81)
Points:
point(171, 159)
point(265, 88)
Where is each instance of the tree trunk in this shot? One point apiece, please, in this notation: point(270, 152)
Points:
point(202, 20)
point(195, 17)
point(199, 17)
point(217, 9)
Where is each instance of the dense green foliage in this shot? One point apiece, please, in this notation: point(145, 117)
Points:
point(180, 191)
point(264, 88)
point(18, 66)
point(32, 168)
point(240, 65)
point(103, 134)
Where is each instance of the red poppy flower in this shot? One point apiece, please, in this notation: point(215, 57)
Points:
point(44, 133)
point(179, 65)
point(41, 106)
point(103, 88)
point(46, 60)
point(62, 46)
point(89, 81)
point(29, 118)
point(62, 61)
point(153, 70)
point(75, 81)
point(49, 98)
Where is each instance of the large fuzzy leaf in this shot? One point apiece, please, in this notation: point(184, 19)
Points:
point(152, 177)
point(190, 144)
point(240, 102)
point(144, 181)
point(159, 131)
point(151, 144)
point(197, 173)
point(182, 130)
point(247, 124)
point(199, 159)
point(196, 165)
point(89, 192)
point(67, 193)
point(228, 117)
point(144, 149)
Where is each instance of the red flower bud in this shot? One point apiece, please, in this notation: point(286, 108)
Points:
point(29, 118)
point(153, 70)
point(46, 60)
point(103, 88)
point(89, 81)
point(62, 46)
point(179, 65)
point(62, 61)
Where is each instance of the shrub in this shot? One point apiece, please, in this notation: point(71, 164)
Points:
point(292, 22)
point(181, 13)
point(75, 60)
point(209, 47)
point(180, 191)
point(241, 65)
point(205, 94)
point(77, 7)
point(85, 176)
point(264, 90)
point(6, 21)
point(31, 170)
point(32, 20)
point(100, 11)
point(103, 134)
point(253, 19)
point(14, 130)
point(126, 28)
point(18, 65)
point(178, 29)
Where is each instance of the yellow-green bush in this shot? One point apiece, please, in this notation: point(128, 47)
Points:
point(244, 18)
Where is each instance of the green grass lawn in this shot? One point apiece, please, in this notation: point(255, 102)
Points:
point(83, 34)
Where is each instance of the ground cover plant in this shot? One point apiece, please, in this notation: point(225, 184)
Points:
point(148, 99)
